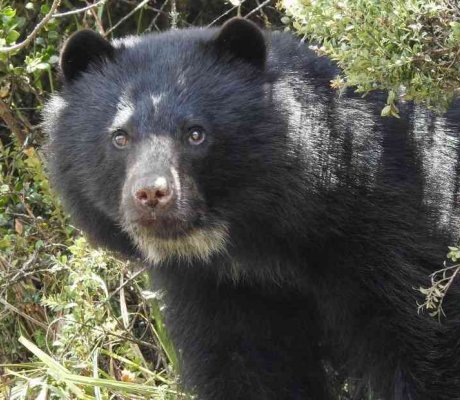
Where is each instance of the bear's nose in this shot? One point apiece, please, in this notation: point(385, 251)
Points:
point(159, 194)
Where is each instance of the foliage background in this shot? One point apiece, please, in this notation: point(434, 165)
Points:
point(88, 310)
point(409, 48)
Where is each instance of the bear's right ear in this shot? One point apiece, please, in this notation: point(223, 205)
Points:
point(82, 49)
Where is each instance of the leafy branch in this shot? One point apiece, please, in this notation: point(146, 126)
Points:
point(35, 31)
point(441, 281)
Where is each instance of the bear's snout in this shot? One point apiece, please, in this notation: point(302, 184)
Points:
point(158, 194)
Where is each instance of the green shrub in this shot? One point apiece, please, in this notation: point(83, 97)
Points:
point(409, 48)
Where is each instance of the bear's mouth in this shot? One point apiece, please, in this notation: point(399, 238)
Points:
point(165, 227)
point(171, 238)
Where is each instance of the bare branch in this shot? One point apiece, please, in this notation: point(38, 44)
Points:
point(79, 10)
point(97, 21)
point(148, 7)
point(266, 2)
point(22, 314)
point(225, 13)
point(129, 280)
point(133, 11)
point(35, 31)
point(154, 20)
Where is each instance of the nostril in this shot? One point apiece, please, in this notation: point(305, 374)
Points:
point(164, 196)
point(141, 195)
point(161, 193)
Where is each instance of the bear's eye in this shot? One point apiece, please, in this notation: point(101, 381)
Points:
point(196, 135)
point(120, 139)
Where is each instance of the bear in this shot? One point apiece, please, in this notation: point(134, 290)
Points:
point(287, 226)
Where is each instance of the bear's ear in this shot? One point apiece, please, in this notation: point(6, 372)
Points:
point(244, 40)
point(82, 49)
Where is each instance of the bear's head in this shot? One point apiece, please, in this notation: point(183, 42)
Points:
point(169, 145)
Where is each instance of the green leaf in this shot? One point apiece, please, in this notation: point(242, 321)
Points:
point(12, 36)
point(386, 111)
point(44, 9)
point(8, 12)
point(5, 243)
point(53, 35)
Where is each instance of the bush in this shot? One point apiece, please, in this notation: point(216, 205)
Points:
point(408, 48)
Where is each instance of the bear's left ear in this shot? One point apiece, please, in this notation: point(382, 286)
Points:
point(83, 48)
point(244, 40)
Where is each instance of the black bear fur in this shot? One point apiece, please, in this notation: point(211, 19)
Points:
point(300, 228)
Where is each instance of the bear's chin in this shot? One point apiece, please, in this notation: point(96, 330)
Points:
point(192, 244)
point(168, 228)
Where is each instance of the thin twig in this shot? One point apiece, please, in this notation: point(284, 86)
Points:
point(79, 10)
point(133, 11)
point(446, 288)
point(148, 7)
point(22, 314)
point(261, 11)
point(225, 13)
point(35, 31)
point(154, 20)
point(173, 14)
point(129, 335)
point(129, 280)
point(98, 21)
point(257, 8)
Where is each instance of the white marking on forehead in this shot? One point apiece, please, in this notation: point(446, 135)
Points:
point(156, 99)
point(125, 110)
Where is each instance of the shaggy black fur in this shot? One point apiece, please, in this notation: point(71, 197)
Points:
point(314, 219)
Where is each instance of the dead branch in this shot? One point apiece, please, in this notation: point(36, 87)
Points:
point(79, 10)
